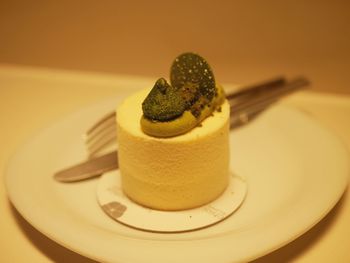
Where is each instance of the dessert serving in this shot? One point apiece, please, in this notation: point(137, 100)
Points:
point(173, 139)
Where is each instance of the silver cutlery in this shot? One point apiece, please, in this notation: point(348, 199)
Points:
point(245, 105)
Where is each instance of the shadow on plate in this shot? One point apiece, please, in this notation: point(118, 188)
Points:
point(288, 253)
point(294, 249)
point(52, 250)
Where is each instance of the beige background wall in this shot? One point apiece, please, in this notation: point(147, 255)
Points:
point(244, 41)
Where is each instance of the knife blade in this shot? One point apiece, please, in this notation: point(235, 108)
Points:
point(89, 169)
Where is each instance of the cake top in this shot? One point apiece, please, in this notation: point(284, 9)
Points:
point(192, 95)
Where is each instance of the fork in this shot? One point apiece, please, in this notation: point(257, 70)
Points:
point(245, 104)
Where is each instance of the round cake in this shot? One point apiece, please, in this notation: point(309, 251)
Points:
point(173, 173)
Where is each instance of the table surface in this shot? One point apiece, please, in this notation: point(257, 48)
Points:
point(34, 98)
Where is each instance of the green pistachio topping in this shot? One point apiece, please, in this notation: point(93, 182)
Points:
point(163, 103)
point(171, 110)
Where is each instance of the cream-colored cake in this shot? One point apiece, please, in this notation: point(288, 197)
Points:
point(175, 173)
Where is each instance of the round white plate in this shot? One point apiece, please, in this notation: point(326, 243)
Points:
point(120, 208)
point(296, 171)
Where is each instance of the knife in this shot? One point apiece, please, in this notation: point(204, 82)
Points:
point(89, 169)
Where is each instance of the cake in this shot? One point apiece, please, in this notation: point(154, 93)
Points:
point(183, 165)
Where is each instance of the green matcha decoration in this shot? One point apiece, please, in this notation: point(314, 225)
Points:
point(192, 76)
point(163, 103)
point(171, 110)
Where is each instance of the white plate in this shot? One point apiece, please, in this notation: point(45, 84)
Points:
point(296, 171)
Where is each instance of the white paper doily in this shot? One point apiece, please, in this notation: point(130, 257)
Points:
point(119, 207)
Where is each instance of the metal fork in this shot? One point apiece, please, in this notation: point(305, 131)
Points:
point(245, 104)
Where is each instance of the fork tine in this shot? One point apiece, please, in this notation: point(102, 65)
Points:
point(109, 140)
point(101, 139)
point(101, 134)
point(106, 121)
